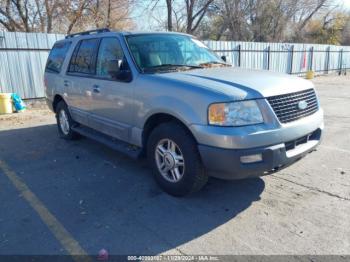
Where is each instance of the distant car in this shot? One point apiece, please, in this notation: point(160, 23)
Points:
point(170, 98)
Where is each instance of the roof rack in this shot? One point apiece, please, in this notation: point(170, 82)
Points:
point(95, 31)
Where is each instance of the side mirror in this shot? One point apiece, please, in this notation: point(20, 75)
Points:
point(117, 71)
point(223, 58)
point(124, 75)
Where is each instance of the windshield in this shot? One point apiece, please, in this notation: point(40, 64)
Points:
point(155, 52)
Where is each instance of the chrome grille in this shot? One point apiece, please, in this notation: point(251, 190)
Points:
point(286, 107)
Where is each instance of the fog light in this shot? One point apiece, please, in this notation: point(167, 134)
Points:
point(251, 159)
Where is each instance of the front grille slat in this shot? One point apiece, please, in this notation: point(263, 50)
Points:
point(286, 106)
point(296, 117)
point(283, 103)
point(293, 109)
point(281, 100)
point(293, 106)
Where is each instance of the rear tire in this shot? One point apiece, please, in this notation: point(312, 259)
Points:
point(65, 122)
point(173, 154)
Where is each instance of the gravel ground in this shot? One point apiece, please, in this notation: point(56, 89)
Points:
point(106, 200)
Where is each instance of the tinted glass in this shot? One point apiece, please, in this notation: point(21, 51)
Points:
point(83, 60)
point(56, 57)
point(109, 55)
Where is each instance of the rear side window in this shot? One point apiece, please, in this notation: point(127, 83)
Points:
point(56, 57)
point(84, 56)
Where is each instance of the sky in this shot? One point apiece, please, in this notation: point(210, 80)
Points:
point(146, 19)
point(346, 3)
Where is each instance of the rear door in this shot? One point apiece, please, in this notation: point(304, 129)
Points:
point(112, 105)
point(77, 81)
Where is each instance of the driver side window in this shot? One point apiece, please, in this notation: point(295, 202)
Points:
point(110, 59)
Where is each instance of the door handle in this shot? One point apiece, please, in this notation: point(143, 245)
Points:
point(66, 83)
point(96, 89)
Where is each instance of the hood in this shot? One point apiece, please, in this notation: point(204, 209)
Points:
point(241, 83)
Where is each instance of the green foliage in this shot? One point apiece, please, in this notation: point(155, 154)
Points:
point(328, 30)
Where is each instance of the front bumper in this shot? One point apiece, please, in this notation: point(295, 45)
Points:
point(270, 133)
point(227, 164)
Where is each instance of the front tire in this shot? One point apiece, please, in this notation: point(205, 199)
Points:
point(174, 157)
point(65, 122)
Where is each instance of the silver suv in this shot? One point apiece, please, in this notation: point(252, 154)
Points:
point(170, 98)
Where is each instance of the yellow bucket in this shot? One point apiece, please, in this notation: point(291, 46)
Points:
point(5, 103)
point(310, 74)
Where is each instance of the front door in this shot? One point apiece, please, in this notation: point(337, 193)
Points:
point(111, 106)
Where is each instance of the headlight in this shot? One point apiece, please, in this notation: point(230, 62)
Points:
point(238, 113)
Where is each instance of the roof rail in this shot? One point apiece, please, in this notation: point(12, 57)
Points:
point(95, 31)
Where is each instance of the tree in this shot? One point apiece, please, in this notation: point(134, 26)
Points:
point(195, 11)
point(169, 4)
point(346, 32)
point(75, 12)
point(330, 29)
point(17, 15)
point(47, 13)
point(264, 20)
point(112, 14)
point(305, 11)
point(233, 19)
point(64, 16)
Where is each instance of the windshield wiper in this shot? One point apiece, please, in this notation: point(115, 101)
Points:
point(214, 62)
point(164, 66)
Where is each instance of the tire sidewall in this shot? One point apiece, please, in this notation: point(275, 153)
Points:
point(189, 150)
point(63, 106)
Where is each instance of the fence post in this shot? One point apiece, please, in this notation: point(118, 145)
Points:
point(239, 55)
point(311, 58)
point(268, 57)
point(291, 59)
point(328, 58)
point(341, 61)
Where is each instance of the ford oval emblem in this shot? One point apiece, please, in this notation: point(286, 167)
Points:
point(302, 105)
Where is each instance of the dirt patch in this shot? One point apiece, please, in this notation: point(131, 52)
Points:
point(26, 118)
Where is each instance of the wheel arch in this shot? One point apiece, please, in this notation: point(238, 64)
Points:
point(56, 100)
point(157, 119)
